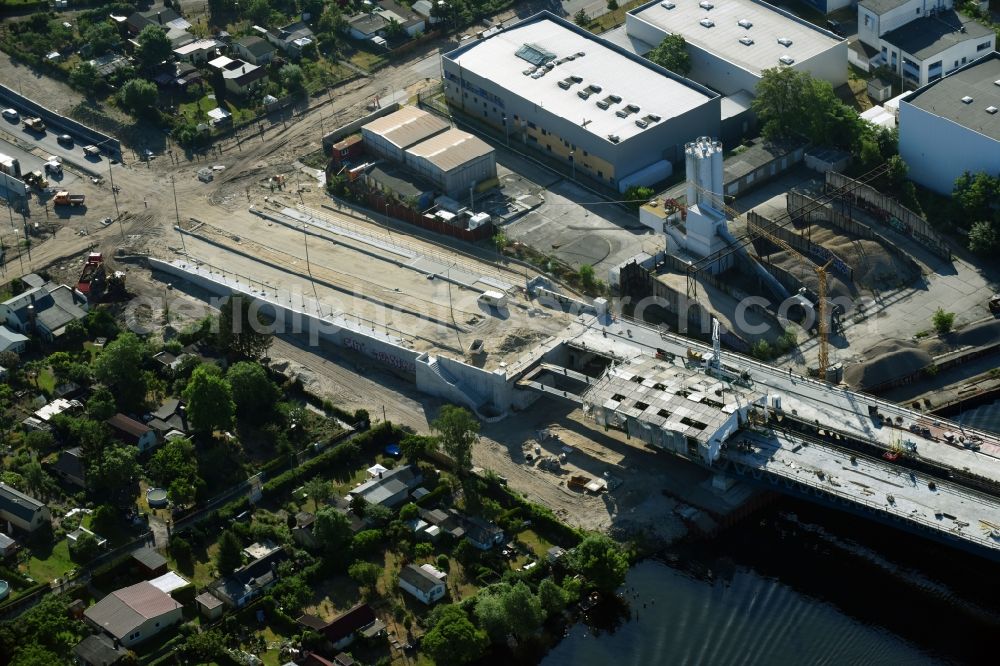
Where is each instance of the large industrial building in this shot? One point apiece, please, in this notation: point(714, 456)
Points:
point(608, 113)
point(732, 41)
point(454, 160)
point(390, 136)
point(953, 125)
point(920, 40)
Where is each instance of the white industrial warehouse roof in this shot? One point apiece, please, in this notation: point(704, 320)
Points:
point(969, 97)
point(450, 149)
point(406, 127)
point(767, 25)
point(636, 83)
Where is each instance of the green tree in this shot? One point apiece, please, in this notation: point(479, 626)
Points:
point(612, 5)
point(333, 532)
point(943, 321)
point(104, 519)
point(896, 171)
point(601, 561)
point(293, 78)
point(367, 542)
point(47, 626)
point(34, 655)
point(114, 474)
point(395, 30)
point(209, 400)
point(581, 18)
point(176, 459)
point(587, 276)
point(119, 367)
point(180, 548)
point(101, 37)
point(504, 610)
point(34, 476)
point(101, 405)
point(977, 196)
point(415, 446)
point(637, 195)
point(458, 429)
point(139, 96)
point(454, 640)
point(254, 393)
point(230, 556)
point(9, 359)
point(85, 549)
point(39, 441)
point(552, 597)
point(241, 328)
point(206, 646)
point(182, 492)
point(154, 47)
point(984, 239)
point(366, 575)
point(259, 11)
point(85, 78)
point(318, 490)
point(791, 104)
point(409, 511)
point(672, 54)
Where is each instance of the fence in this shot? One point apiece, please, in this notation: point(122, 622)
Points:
point(888, 211)
point(802, 245)
point(377, 201)
point(106, 142)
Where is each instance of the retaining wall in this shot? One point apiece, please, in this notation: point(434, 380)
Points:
point(108, 143)
point(800, 244)
point(355, 126)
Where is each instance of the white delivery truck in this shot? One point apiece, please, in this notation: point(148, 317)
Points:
point(493, 299)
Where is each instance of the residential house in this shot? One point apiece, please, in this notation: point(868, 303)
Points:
point(303, 530)
point(554, 554)
point(180, 75)
point(169, 418)
point(239, 77)
point(134, 614)
point(12, 341)
point(921, 43)
point(165, 18)
point(169, 582)
point(200, 50)
point(130, 431)
point(444, 522)
point(72, 537)
point(209, 605)
point(7, 545)
point(98, 650)
point(150, 562)
point(254, 50)
point(482, 534)
point(21, 511)
point(343, 629)
point(69, 467)
point(258, 551)
point(39, 420)
point(424, 582)
point(412, 23)
point(44, 310)
point(391, 488)
point(292, 39)
point(366, 26)
point(424, 8)
point(249, 581)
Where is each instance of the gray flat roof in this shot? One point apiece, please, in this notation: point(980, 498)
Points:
point(882, 6)
point(451, 149)
point(768, 24)
point(977, 80)
point(614, 70)
point(929, 36)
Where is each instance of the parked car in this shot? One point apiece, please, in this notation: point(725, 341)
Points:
point(835, 27)
point(11, 115)
point(65, 139)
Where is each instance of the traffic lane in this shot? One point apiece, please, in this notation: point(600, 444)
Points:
point(32, 162)
point(72, 155)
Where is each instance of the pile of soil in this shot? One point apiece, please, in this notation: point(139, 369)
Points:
point(978, 335)
point(874, 266)
point(885, 362)
point(518, 339)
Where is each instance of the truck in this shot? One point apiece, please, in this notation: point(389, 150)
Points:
point(92, 151)
point(35, 124)
point(92, 278)
point(35, 179)
point(64, 198)
point(493, 299)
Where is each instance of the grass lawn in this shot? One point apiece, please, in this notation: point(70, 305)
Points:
point(50, 563)
point(46, 380)
point(538, 544)
point(197, 111)
point(202, 570)
point(366, 59)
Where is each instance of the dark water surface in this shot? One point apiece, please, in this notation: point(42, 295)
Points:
point(798, 584)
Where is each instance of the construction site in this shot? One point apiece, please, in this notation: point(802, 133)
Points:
point(588, 405)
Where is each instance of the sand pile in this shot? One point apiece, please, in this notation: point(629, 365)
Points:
point(518, 339)
point(885, 362)
point(981, 334)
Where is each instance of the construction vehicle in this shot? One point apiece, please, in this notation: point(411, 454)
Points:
point(36, 179)
point(92, 278)
point(64, 198)
point(578, 482)
point(34, 124)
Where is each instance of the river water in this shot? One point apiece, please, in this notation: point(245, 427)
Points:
point(800, 584)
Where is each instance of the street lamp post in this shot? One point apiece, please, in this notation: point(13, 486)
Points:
point(572, 164)
point(506, 130)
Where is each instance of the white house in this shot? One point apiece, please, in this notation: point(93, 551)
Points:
point(133, 432)
point(21, 511)
point(12, 341)
point(953, 125)
point(197, 51)
point(424, 582)
point(921, 40)
point(135, 613)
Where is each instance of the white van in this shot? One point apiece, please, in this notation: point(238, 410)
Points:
point(11, 115)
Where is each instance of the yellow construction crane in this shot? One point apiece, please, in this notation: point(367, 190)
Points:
point(823, 328)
